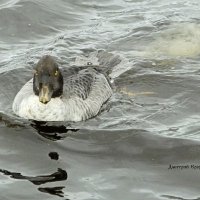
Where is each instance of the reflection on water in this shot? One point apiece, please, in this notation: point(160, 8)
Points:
point(52, 190)
point(60, 175)
point(54, 155)
point(52, 132)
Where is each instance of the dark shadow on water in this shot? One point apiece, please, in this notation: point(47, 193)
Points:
point(53, 190)
point(60, 175)
point(54, 155)
point(52, 132)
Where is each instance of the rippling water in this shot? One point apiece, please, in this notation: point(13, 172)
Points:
point(150, 123)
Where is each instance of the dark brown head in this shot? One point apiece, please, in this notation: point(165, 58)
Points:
point(47, 79)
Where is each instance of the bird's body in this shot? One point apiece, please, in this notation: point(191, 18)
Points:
point(77, 96)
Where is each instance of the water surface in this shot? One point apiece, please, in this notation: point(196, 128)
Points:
point(150, 123)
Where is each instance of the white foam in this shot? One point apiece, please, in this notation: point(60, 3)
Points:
point(177, 40)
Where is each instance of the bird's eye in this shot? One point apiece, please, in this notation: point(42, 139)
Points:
point(89, 63)
point(56, 73)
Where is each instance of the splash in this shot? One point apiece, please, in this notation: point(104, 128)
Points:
point(179, 40)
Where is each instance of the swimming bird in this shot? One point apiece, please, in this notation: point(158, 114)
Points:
point(55, 94)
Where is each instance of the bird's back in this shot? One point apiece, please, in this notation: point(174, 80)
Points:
point(85, 92)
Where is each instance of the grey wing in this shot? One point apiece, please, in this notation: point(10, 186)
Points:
point(79, 84)
point(73, 70)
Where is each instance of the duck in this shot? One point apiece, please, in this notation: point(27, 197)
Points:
point(62, 94)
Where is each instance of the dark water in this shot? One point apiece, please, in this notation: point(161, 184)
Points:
point(150, 123)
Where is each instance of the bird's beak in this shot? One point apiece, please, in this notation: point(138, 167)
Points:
point(45, 94)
